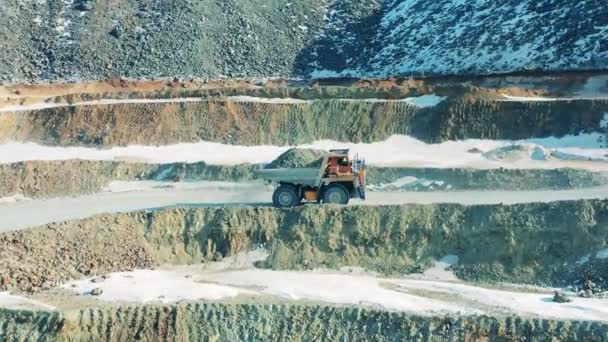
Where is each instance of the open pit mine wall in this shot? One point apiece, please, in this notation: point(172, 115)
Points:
point(47, 179)
point(99, 39)
point(283, 124)
point(265, 322)
point(526, 243)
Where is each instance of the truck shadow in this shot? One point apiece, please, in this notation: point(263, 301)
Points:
point(347, 42)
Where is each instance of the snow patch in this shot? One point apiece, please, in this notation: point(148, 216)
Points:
point(409, 183)
point(595, 86)
point(583, 259)
point(421, 102)
point(529, 304)
point(323, 74)
point(45, 105)
point(449, 260)
point(602, 254)
point(580, 141)
point(415, 37)
point(510, 98)
point(425, 101)
point(440, 270)
point(238, 261)
point(398, 150)
point(9, 301)
point(267, 100)
point(211, 153)
point(145, 286)
point(13, 199)
point(604, 121)
point(425, 297)
point(399, 183)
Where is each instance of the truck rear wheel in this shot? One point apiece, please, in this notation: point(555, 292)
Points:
point(336, 194)
point(286, 196)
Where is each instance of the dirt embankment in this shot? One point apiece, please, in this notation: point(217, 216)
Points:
point(39, 179)
point(496, 179)
point(253, 123)
point(526, 243)
point(225, 322)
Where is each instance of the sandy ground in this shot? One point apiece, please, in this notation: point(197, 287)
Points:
point(235, 278)
point(131, 196)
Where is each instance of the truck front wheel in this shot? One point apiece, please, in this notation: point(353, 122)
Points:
point(336, 194)
point(286, 196)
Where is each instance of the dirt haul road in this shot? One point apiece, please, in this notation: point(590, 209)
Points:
point(19, 213)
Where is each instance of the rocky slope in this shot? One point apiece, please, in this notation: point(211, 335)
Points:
point(224, 322)
point(255, 123)
point(455, 37)
point(80, 39)
point(525, 243)
point(38, 179)
point(182, 44)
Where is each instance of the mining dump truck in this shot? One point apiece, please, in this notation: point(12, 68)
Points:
point(336, 181)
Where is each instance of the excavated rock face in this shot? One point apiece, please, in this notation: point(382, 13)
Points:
point(72, 253)
point(525, 243)
point(397, 37)
point(254, 123)
point(195, 322)
point(497, 179)
point(58, 40)
point(72, 177)
point(140, 39)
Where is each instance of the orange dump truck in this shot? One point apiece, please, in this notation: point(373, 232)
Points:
point(337, 181)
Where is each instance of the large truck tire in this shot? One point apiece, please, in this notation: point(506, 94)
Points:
point(286, 196)
point(336, 194)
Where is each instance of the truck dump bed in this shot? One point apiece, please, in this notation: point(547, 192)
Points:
point(302, 176)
